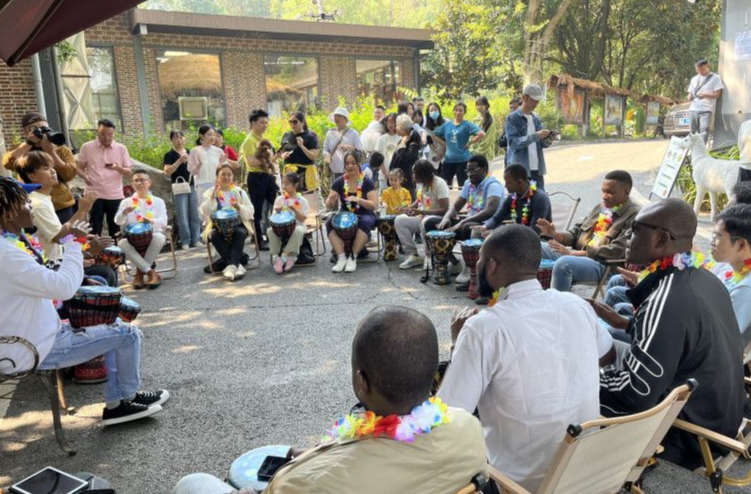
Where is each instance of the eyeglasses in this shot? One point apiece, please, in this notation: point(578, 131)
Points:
point(635, 225)
point(716, 236)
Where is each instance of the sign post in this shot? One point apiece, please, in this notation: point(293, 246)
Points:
point(671, 165)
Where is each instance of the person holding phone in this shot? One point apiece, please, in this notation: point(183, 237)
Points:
point(300, 151)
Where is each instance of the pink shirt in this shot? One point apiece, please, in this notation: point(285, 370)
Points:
point(108, 184)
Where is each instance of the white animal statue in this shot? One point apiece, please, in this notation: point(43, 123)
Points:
point(710, 174)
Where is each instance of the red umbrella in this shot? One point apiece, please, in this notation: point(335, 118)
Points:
point(27, 27)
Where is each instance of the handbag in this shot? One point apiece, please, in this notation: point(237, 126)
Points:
point(180, 187)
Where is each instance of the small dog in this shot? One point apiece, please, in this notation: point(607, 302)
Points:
point(264, 154)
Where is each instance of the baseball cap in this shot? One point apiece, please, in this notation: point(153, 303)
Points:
point(533, 91)
point(29, 188)
point(701, 61)
point(32, 117)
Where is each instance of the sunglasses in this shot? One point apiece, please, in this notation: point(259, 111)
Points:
point(636, 225)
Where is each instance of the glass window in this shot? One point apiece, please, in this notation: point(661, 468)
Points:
point(291, 83)
point(191, 88)
point(105, 99)
point(379, 78)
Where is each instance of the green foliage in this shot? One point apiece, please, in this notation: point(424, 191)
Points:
point(65, 52)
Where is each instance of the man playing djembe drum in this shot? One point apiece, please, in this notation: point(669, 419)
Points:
point(143, 207)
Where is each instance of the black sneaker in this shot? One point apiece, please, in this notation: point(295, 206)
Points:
point(150, 398)
point(462, 287)
point(128, 411)
point(218, 267)
point(482, 301)
point(262, 245)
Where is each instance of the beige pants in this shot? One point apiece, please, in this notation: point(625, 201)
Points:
point(293, 244)
point(152, 252)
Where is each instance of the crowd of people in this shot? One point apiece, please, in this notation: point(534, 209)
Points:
point(527, 366)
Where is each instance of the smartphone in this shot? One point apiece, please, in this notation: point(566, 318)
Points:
point(109, 165)
point(50, 481)
point(270, 466)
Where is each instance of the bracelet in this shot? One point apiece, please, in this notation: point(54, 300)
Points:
point(72, 238)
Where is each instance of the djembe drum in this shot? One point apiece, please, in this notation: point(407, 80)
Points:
point(243, 474)
point(440, 244)
point(283, 224)
point(139, 236)
point(471, 254)
point(92, 372)
point(345, 225)
point(387, 229)
point(225, 221)
point(112, 257)
point(129, 309)
point(93, 305)
point(545, 273)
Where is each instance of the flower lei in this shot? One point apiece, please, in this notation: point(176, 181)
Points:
point(423, 202)
point(680, 261)
point(525, 209)
point(604, 220)
point(295, 203)
point(422, 420)
point(733, 277)
point(230, 199)
point(497, 295)
point(15, 240)
point(472, 198)
point(352, 206)
point(135, 202)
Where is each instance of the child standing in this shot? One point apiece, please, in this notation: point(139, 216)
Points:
point(294, 202)
point(396, 197)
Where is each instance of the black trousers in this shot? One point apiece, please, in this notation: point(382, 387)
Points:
point(540, 179)
point(65, 214)
point(232, 251)
point(100, 209)
point(448, 171)
point(262, 188)
point(106, 272)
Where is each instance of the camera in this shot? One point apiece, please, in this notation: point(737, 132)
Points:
point(56, 138)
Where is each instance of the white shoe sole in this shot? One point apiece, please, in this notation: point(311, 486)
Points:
point(412, 265)
point(136, 416)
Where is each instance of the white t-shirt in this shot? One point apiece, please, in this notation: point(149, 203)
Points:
point(370, 135)
point(387, 145)
point(534, 160)
point(47, 223)
point(304, 206)
point(530, 366)
point(744, 144)
point(438, 190)
point(713, 83)
point(202, 163)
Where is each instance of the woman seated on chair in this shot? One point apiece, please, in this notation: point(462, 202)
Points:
point(291, 201)
point(227, 196)
point(355, 193)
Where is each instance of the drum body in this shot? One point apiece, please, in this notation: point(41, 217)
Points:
point(440, 244)
point(112, 257)
point(225, 221)
point(471, 254)
point(93, 305)
point(139, 236)
point(283, 224)
point(92, 372)
point(345, 225)
point(129, 309)
point(243, 474)
point(545, 273)
point(387, 229)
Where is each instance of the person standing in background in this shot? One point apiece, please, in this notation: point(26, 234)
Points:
point(186, 205)
point(703, 91)
point(513, 105)
point(526, 137)
point(744, 149)
point(374, 130)
point(488, 146)
point(339, 141)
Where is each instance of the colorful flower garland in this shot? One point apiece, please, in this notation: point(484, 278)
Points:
point(352, 206)
point(422, 420)
point(230, 200)
point(497, 296)
point(604, 220)
point(680, 262)
point(295, 203)
point(733, 277)
point(525, 209)
point(423, 201)
point(135, 202)
point(33, 248)
point(472, 197)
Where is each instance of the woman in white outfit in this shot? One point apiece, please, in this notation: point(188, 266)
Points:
point(204, 159)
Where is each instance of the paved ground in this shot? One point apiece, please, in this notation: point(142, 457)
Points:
point(261, 361)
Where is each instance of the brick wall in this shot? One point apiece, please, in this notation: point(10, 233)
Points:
point(17, 96)
point(337, 78)
point(244, 85)
point(127, 87)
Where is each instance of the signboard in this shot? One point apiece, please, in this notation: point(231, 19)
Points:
point(571, 106)
point(653, 113)
point(742, 47)
point(671, 164)
point(613, 110)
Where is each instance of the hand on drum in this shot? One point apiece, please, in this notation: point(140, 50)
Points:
point(443, 224)
point(456, 227)
point(79, 228)
point(91, 282)
point(559, 248)
point(457, 321)
point(98, 244)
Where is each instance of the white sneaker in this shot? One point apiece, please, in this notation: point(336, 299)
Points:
point(426, 264)
point(351, 265)
point(463, 276)
point(184, 247)
point(455, 269)
point(340, 265)
point(229, 273)
point(411, 262)
point(240, 272)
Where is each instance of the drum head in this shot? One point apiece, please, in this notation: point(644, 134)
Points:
point(113, 250)
point(440, 234)
point(243, 473)
point(473, 242)
point(387, 217)
point(225, 214)
point(129, 303)
point(97, 290)
point(344, 220)
point(137, 228)
point(282, 218)
point(547, 264)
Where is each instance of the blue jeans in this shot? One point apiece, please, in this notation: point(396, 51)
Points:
point(568, 270)
point(188, 220)
point(120, 343)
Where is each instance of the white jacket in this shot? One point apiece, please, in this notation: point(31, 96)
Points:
point(209, 206)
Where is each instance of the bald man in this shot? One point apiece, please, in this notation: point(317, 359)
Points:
point(684, 328)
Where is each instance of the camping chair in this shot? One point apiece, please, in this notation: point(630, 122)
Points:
point(611, 267)
point(52, 381)
point(605, 456)
point(564, 213)
point(168, 273)
point(256, 257)
point(314, 222)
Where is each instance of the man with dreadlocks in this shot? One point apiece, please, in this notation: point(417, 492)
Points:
point(26, 296)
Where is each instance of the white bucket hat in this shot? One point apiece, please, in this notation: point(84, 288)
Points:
point(340, 111)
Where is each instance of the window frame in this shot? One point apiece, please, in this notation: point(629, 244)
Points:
point(392, 60)
point(110, 48)
point(316, 56)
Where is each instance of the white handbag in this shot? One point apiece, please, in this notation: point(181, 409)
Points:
point(180, 187)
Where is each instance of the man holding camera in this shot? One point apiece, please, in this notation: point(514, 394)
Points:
point(39, 137)
point(102, 164)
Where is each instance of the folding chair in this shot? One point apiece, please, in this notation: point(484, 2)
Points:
point(52, 381)
point(605, 456)
point(256, 257)
point(169, 272)
point(610, 269)
point(564, 212)
point(314, 222)
point(475, 486)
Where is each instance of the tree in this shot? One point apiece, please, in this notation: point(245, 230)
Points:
point(541, 18)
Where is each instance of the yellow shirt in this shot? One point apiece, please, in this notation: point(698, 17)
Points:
point(248, 150)
point(395, 199)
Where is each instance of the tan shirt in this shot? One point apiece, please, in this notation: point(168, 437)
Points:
point(61, 195)
point(441, 462)
point(47, 223)
point(613, 245)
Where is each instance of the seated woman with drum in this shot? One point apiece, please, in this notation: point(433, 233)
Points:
point(228, 214)
point(26, 296)
point(349, 230)
point(144, 217)
point(287, 226)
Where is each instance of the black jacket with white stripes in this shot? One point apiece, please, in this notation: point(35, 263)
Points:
point(684, 328)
